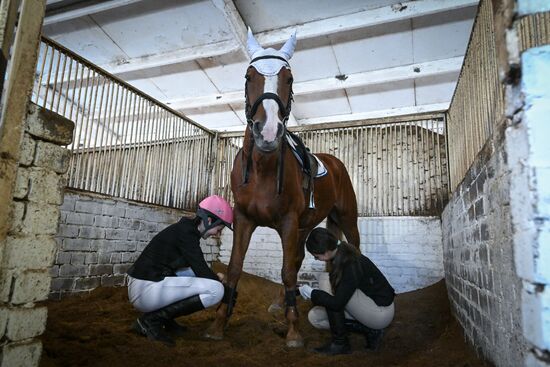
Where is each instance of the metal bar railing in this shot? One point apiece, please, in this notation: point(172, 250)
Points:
point(126, 143)
point(397, 168)
point(478, 100)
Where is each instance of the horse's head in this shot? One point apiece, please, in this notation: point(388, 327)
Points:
point(268, 92)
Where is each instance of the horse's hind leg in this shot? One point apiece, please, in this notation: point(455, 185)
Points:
point(241, 240)
point(344, 221)
point(333, 227)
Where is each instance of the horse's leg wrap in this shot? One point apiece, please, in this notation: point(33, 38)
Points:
point(290, 300)
point(229, 298)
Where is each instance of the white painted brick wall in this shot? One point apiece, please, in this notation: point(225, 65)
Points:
point(530, 198)
point(100, 237)
point(407, 250)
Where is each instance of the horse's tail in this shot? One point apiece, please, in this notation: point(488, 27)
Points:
point(333, 228)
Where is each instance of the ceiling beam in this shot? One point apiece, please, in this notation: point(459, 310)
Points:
point(381, 76)
point(172, 57)
point(235, 22)
point(400, 111)
point(364, 19)
point(336, 121)
point(86, 10)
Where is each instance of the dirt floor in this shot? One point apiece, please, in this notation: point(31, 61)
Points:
point(94, 330)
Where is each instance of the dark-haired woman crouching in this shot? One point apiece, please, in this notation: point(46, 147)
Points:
point(362, 300)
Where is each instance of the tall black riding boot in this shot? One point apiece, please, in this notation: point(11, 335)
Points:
point(151, 324)
point(339, 343)
point(373, 337)
point(175, 328)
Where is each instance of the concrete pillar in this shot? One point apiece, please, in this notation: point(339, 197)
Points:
point(29, 248)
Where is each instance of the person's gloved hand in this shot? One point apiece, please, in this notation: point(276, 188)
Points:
point(305, 291)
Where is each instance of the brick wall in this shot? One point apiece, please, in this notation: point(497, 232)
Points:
point(484, 290)
point(406, 249)
point(29, 249)
point(100, 237)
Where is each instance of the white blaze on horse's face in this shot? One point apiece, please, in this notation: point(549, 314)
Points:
point(272, 120)
point(272, 66)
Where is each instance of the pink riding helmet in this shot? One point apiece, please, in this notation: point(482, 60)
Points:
point(217, 206)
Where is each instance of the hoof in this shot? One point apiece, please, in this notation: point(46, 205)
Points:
point(274, 308)
point(213, 336)
point(298, 343)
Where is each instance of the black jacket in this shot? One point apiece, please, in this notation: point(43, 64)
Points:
point(175, 247)
point(363, 275)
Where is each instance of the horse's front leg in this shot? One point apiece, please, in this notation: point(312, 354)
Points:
point(243, 229)
point(292, 259)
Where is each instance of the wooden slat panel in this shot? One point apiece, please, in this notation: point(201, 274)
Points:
point(396, 168)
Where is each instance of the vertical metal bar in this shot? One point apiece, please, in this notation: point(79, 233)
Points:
point(376, 169)
point(402, 164)
point(100, 150)
point(42, 71)
point(54, 90)
point(164, 176)
point(361, 183)
point(143, 150)
point(136, 119)
point(391, 169)
point(76, 137)
point(61, 82)
point(130, 127)
point(107, 144)
point(433, 168)
point(395, 168)
point(139, 177)
point(81, 81)
point(148, 152)
point(413, 168)
point(81, 146)
point(116, 151)
point(177, 154)
point(49, 76)
point(68, 87)
point(425, 145)
point(156, 136)
point(186, 167)
point(93, 149)
point(162, 182)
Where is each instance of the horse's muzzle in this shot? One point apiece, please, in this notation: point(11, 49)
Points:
point(261, 143)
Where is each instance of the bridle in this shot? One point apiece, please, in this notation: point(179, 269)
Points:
point(250, 110)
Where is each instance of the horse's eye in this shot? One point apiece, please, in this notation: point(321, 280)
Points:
point(247, 77)
point(290, 80)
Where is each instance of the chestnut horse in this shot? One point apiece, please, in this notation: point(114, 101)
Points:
point(266, 181)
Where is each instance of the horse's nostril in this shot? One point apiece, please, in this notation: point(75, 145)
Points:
point(256, 127)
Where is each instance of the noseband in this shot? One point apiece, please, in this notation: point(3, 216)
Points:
point(251, 110)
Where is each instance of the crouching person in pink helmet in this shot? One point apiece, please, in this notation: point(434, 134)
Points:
point(171, 277)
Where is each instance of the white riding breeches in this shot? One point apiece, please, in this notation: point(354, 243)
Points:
point(147, 296)
point(360, 307)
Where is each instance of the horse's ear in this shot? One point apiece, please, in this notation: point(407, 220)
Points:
point(252, 45)
point(288, 47)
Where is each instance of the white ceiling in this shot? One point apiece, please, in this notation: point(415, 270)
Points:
point(354, 58)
